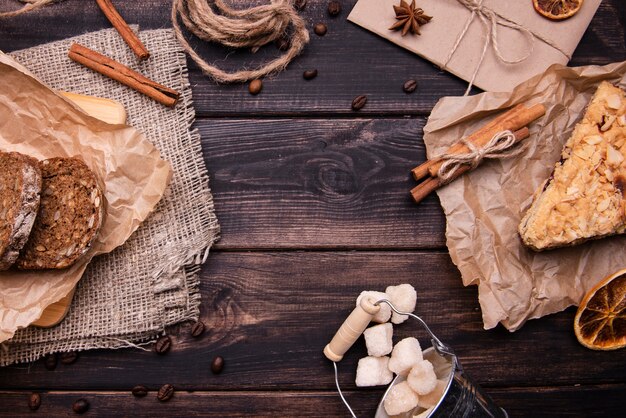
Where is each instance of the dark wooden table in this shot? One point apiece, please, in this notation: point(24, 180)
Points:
point(314, 207)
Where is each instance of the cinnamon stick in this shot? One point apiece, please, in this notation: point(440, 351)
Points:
point(431, 184)
point(423, 170)
point(119, 72)
point(123, 29)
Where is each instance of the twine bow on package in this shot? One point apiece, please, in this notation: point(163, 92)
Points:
point(493, 44)
point(484, 207)
point(159, 223)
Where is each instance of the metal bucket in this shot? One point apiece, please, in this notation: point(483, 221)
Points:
point(462, 398)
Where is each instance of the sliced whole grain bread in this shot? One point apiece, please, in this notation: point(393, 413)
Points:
point(20, 186)
point(69, 218)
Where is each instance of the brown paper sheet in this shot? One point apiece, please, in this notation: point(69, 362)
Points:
point(36, 121)
point(483, 208)
point(449, 18)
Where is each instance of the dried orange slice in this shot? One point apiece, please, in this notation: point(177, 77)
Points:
point(557, 9)
point(600, 323)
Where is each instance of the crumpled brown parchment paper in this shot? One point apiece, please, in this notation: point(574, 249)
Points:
point(36, 121)
point(483, 208)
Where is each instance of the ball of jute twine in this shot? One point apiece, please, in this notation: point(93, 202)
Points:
point(247, 28)
point(30, 5)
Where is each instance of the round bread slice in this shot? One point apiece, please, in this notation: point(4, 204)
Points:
point(20, 186)
point(69, 218)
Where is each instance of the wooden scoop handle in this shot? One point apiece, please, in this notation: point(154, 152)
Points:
point(351, 329)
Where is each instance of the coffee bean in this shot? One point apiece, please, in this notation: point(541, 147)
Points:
point(299, 4)
point(309, 74)
point(359, 102)
point(139, 391)
point(69, 358)
point(255, 87)
point(165, 393)
point(50, 361)
point(409, 86)
point(320, 29)
point(334, 8)
point(34, 401)
point(80, 406)
point(163, 345)
point(217, 365)
point(197, 329)
point(282, 43)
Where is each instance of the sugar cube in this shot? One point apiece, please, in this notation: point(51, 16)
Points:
point(424, 414)
point(431, 399)
point(378, 339)
point(385, 311)
point(400, 399)
point(405, 355)
point(373, 371)
point(403, 297)
point(422, 378)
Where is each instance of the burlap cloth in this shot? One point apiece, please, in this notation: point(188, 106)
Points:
point(129, 296)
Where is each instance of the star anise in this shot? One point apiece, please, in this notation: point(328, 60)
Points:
point(409, 18)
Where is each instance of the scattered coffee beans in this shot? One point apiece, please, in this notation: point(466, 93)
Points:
point(359, 102)
point(69, 358)
point(80, 406)
point(282, 43)
point(34, 401)
point(334, 8)
point(409, 86)
point(50, 361)
point(309, 74)
point(197, 329)
point(217, 365)
point(163, 345)
point(299, 4)
point(255, 86)
point(139, 391)
point(165, 393)
point(320, 29)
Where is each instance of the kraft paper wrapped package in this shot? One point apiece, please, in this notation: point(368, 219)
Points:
point(484, 207)
point(521, 33)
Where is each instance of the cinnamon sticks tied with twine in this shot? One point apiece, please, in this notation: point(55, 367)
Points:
point(493, 140)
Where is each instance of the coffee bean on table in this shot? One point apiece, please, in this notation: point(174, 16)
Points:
point(139, 391)
point(282, 43)
point(80, 406)
point(50, 361)
point(255, 86)
point(409, 86)
point(217, 365)
point(69, 358)
point(34, 401)
point(299, 4)
point(309, 74)
point(334, 8)
point(163, 345)
point(197, 329)
point(359, 102)
point(320, 29)
point(165, 392)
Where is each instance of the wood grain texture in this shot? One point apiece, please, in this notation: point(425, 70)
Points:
point(596, 401)
point(299, 183)
point(269, 315)
point(350, 60)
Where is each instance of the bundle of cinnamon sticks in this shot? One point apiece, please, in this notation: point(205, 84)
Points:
point(514, 120)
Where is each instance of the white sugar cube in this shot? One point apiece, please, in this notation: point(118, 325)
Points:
point(385, 311)
point(405, 355)
point(422, 378)
point(431, 399)
point(424, 414)
point(403, 297)
point(400, 399)
point(373, 371)
point(378, 339)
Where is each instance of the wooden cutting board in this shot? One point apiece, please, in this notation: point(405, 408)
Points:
point(108, 111)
